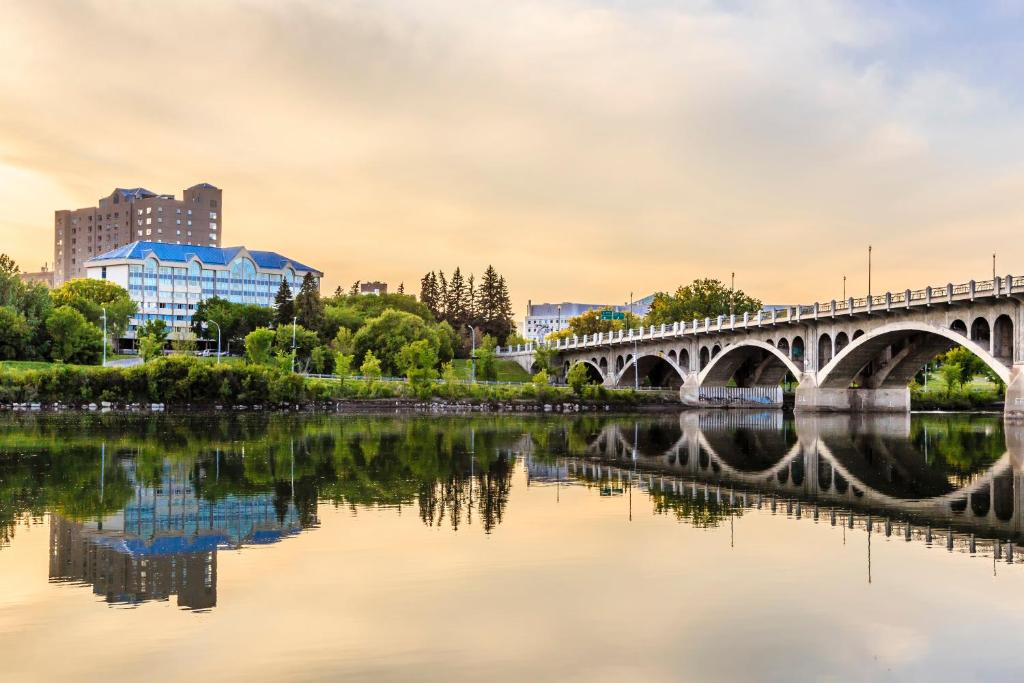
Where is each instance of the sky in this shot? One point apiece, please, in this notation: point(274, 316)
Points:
point(585, 149)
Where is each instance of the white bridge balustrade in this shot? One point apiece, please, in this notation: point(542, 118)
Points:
point(857, 354)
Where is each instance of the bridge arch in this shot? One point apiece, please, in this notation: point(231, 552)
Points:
point(655, 369)
point(753, 363)
point(593, 370)
point(918, 343)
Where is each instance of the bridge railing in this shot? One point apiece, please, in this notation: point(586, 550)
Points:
point(947, 293)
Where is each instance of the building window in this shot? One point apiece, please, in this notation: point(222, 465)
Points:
point(103, 273)
point(149, 231)
point(149, 209)
point(213, 215)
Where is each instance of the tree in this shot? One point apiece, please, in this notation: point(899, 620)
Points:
point(309, 309)
point(703, 298)
point(305, 342)
point(152, 336)
point(343, 364)
point(73, 338)
point(14, 334)
point(493, 307)
point(10, 284)
point(354, 289)
point(544, 359)
point(455, 305)
point(401, 288)
point(259, 346)
point(370, 369)
point(950, 375)
point(487, 359)
point(235, 320)
point(284, 307)
point(591, 322)
point(429, 295)
point(344, 341)
point(578, 378)
point(970, 365)
point(91, 296)
point(386, 334)
point(418, 360)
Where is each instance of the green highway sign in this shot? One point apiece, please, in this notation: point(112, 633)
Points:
point(612, 315)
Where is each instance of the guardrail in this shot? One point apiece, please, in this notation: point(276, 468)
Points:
point(947, 293)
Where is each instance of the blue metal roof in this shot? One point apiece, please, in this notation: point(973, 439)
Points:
point(183, 253)
point(134, 192)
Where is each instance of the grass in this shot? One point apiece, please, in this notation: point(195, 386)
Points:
point(508, 370)
point(23, 365)
point(978, 385)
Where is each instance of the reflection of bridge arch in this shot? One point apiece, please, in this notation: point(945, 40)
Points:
point(811, 467)
point(751, 362)
point(913, 344)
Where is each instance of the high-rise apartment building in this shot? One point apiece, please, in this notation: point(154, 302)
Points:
point(130, 215)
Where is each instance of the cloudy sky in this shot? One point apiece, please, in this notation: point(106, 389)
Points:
point(586, 149)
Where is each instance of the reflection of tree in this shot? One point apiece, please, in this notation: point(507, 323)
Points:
point(696, 512)
point(960, 446)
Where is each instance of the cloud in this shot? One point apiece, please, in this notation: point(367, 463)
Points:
point(586, 149)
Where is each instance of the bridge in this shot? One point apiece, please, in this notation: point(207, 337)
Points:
point(856, 355)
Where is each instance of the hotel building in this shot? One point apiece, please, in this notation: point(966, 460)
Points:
point(127, 215)
point(168, 281)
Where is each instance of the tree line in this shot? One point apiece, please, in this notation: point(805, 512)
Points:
point(462, 303)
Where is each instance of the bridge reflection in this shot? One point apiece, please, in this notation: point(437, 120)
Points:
point(915, 477)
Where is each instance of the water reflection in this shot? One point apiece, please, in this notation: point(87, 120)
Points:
point(138, 509)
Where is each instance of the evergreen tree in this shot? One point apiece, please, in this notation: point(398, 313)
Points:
point(442, 297)
point(309, 309)
point(503, 322)
point(401, 288)
point(284, 305)
point(428, 292)
point(354, 289)
point(455, 301)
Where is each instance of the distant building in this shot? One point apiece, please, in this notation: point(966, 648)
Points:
point(375, 288)
point(168, 281)
point(544, 319)
point(43, 276)
point(127, 215)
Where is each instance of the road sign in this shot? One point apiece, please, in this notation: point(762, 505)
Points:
point(612, 315)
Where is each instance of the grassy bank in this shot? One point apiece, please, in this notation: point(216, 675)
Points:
point(181, 381)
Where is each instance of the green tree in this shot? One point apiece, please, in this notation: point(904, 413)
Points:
point(343, 364)
point(386, 334)
point(259, 346)
point(309, 309)
point(970, 365)
point(487, 359)
point(235, 320)
point(91, 296)
point(14, 334)
point(703, 298)
point(370, 369)
point(305, 342)
point(73, 338)
point(578, 378)
point(950, 374)
point(152, 337)
point(418, 361)
point(10, 284)
point(284, 306)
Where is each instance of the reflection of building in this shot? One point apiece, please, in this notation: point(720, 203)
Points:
point(130, 214)
point(168, 281)
point(164, 541)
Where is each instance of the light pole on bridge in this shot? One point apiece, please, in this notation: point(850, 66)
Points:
point(869, 271)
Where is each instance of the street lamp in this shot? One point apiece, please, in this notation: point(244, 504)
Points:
point(206, 325)
point(104, 336)
point(472, 355)
point(636, 348)
point(869, 271)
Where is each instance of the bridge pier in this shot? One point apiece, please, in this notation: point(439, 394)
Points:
point(823, 400)
point(1014, 406)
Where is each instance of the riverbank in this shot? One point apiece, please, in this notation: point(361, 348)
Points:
point(181, 383)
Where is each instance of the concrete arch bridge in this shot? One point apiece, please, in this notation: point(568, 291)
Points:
point(845, 356)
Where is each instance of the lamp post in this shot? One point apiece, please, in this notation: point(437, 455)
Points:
point(844, 288)
point(869, 271)
point(205, 326)
point(104, 336)
point(993, 266)
point(472, 355)
point(732, 295)
point(295, 322)
point(636, 361)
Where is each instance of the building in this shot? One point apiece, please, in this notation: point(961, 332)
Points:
point(168, 281)
point(374, 288)
point(43, 276)
point(544, 319)
point(127, 215)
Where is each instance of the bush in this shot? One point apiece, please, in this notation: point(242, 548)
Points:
point(74, 339)
point(259, 346)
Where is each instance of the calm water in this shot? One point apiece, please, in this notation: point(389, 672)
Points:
point(727, 546)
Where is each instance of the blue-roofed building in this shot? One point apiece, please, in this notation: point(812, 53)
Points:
point(168, 281)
